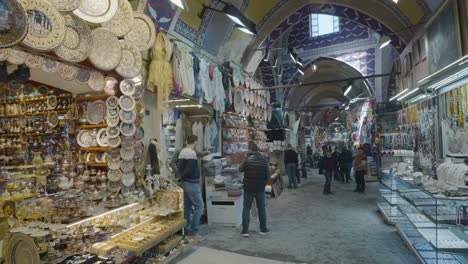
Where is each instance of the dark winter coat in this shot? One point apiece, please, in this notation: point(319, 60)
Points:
point(256, 172)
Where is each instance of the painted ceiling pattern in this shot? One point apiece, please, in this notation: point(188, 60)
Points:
point(300, 38)
point(161, 12)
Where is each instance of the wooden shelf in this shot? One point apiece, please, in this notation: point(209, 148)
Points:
point(92, 126)
point(100, 165)
point(92, 97)
point(28, 135)
point(96, 149)
point(37, 99)
point(47, 112)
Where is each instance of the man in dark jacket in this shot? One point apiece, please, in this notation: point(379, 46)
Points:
point(328, 167)
point(189, 173)
point(256, 174)
point(346, 164)
point(291, 163)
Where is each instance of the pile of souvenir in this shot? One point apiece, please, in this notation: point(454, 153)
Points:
point(236, 134)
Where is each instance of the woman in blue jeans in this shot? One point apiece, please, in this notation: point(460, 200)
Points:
point(291, 162)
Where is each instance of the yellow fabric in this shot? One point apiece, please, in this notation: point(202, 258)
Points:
point(160, 73)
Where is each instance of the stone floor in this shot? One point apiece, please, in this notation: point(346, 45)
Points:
point(309, 227)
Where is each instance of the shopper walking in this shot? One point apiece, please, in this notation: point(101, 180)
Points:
point(360, 165)
point(336, 169)
point(346, 162)
point(256, 173)
point(328, 167)
point(309, 156)
point(303, 162)
point(189, 173)
point(291, 162)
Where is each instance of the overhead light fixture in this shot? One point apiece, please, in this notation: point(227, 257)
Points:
point(384, 41)
point(180, 3)
point(246, 30)
point(267, 55)
point(299, 62)
point(300, 71)
point(446, 67)
point(347, 108)
point(450, 79)
point(275, 62)
point(422, 96)
point(400, 93)
point(293, 55)
point(242, 22)
point(408, 94)
point(336, 119)
point(395, 1)
point(178, 100)
point(314, 67)
point(348, 90)
point(343, 104)
point(188, 106)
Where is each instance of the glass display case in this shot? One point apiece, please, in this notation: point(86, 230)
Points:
point(433, 226)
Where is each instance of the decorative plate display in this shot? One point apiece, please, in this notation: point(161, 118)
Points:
point(33, 61)
point(84, 139)
point(128, 179)
point(112, 121)
point(114, 164)
point(127, 87)
point(139, 90)
point(114, 154)
point(83, 75)
point(269, 114)
point(4, 54)
point(114, 175)
point(52, 102)
point(101, 138)
point(127, 142)
point(42, 89)
point(127, 153)
point(52, 119)
point(139, 149)
point(237, 101)
point(127, 130)
point(21, 249)
point(113, 132)
point(96, 81)
point(112, 113)
point(96, 11)
point(139, 134)
point(17, 57)
point(131, 61)
point(14, 23)
point(46, 25)
point(112, 102)
point(127, 117)
point(77, 42)
point(127, 166)
point(106, 52)
point(28, 88)
point(109, 88)
point(65, 5)
point(143, 32)
point(121, 23)
point(49, 65)
point(95, 112)
point(126, 103)
point(114, 142)
point(67, 72)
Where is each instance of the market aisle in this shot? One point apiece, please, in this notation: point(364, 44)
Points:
point(308, 227)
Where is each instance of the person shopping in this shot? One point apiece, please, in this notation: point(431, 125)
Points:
point(360, 165)
point(291, 162)
point(189, 173)
point(346, 164)
point(256, 173)
point(302, 162)
point(328, 167)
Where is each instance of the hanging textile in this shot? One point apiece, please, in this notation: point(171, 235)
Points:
point(196, 71)
point(160, 73)
point(197, 130)
point(183, 130)
point(187, 78)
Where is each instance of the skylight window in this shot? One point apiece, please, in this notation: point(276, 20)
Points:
point(321, 24)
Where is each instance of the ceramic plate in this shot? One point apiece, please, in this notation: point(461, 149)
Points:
point(77, 42)
point(95, 112)
point(84, 139)
point(127, 87)
point(114, 154)
point(106, 52)
point(112, 121)
point(127, 130)
point(96, 11)
point(67, 72)
point(52, 119)
point(127, 153)
point(101, 138)
point(113, 132)
point(113, 113)
point(83, 75)
point(114, 142)
point(96, 81)
point(139, 90)
point(33, 61)
point(127, 117)
point(42, 89)
point(126, 103)
point(128, 179)
point(114, 164)
point(65, 5)
point(139, 134)
point(52, 102)
point(49, 65)
point(127, 142)
point(109, 88)
point(127, 166)
point(131, 61)
point(114, 175)
point(46, 26)
point(139, 149)
point(121, 23)
point(112, 102)
point(143, 32)
point(16, 57)
point(4, 53)
point(14, 23)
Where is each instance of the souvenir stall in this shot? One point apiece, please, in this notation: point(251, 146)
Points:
point(72, 139)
